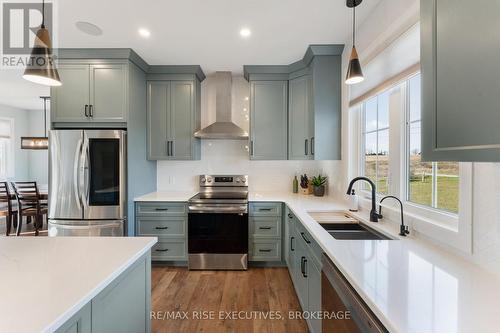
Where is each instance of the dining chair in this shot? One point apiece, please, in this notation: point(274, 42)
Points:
point(7, 209)
point(29, 205)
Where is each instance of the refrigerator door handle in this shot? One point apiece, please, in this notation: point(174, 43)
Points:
point(76, 174)
point(83, 188)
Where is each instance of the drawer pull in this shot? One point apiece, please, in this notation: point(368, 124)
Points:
point(161, 228)
point(291, 243)
point(305, 239)
point(265, 250)
point(161, 250)
point(290, 216)
point(161, 209)
point(265, 228)
point(265, 209)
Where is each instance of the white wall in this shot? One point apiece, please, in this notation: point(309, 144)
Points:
point(389, 20)
point(231, 156)
point(28, 164)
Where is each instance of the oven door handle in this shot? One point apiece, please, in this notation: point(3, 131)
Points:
point(237, 209)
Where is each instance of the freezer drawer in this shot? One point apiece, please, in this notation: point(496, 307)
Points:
point(91, 228)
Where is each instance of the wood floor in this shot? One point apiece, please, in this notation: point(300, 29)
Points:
point(179, 296)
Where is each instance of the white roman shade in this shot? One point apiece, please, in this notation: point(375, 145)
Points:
point(5, 128)
point(400, 59)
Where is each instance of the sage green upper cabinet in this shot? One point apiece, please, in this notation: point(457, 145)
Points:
point(90, 93)
point(108, 93)
point(300, 122)
point(311, 118)
point(69, 102)
point(460, 90)
point(173, 117)
point(268, 120)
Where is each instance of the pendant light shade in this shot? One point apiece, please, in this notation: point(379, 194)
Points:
point(38, 142)
point(41, 68)
point(354, 71)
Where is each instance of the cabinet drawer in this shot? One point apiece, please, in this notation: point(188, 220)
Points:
point(161, 226)
point(265, 226)
point(265, 250)
point(167, 249)
point(265, 209)
point(161, 209)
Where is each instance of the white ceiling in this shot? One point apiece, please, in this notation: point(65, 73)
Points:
point(201, 32)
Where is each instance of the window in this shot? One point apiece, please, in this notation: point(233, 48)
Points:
point(376, 141)
point(6, 155)
point(429, 184)
point(433, 184)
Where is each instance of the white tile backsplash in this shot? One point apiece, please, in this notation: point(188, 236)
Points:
point(231, 157)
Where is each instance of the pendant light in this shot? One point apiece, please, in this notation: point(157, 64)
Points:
point(38, 142)
point(41, 68)
point(354, 72)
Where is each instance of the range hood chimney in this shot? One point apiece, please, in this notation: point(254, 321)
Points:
point(223, 127)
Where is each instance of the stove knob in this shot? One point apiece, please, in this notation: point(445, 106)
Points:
point(209, 179)
point(203, 180)
point(238, 180)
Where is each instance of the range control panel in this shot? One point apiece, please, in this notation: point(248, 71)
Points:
point(223, 180)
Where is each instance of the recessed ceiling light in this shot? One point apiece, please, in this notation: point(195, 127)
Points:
point(245, 32)
point(144, 32)
point(88, 28)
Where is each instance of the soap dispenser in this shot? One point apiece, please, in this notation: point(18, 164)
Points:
point(353, 202)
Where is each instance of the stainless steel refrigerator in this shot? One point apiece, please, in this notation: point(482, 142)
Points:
point(87, 182)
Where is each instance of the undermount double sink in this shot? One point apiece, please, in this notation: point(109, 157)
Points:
point(342, 226)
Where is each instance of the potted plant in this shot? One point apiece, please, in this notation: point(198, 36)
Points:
point(319, 185)
point(305, 185)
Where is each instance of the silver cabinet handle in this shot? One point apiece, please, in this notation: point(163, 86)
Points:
point(91, 114)
point(305, 147)
point(161, 250)
point(304, 238)
point(291, 243)
point(265, 209)
point(86, 110)
point(312, 145)
point(264, 250)
point(172, 148)
point(265, 228)
point(168, 148)
point(251, 147)
point(161, 228)
point(161, 209)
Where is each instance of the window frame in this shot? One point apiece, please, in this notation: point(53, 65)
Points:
point(435, 215)
point(10, 150)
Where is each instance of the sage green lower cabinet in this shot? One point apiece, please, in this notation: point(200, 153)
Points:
point(123, 306)
point(168, 222)
point(304, 268)
point(268, 120)
point(81, 322)
point(265, 224)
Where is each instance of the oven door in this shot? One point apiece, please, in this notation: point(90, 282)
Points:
point(218, 233)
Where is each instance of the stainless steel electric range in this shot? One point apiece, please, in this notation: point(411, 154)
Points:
point(218, 224)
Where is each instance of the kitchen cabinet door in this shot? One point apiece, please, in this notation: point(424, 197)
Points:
point(158, 112)
point(181, 120)
point(108, 93)
point(299, 119)
point(301, 283)
point(69, 102)
point(268, 120)
point(460, 99)
point(314, 294)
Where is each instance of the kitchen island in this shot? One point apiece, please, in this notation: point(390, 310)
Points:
point(75, 284)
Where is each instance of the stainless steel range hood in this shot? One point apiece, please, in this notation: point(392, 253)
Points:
point(223, 127)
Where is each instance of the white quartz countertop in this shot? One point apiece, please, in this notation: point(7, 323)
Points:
point(410, 285)
point(165, 196)
point(45, 280)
